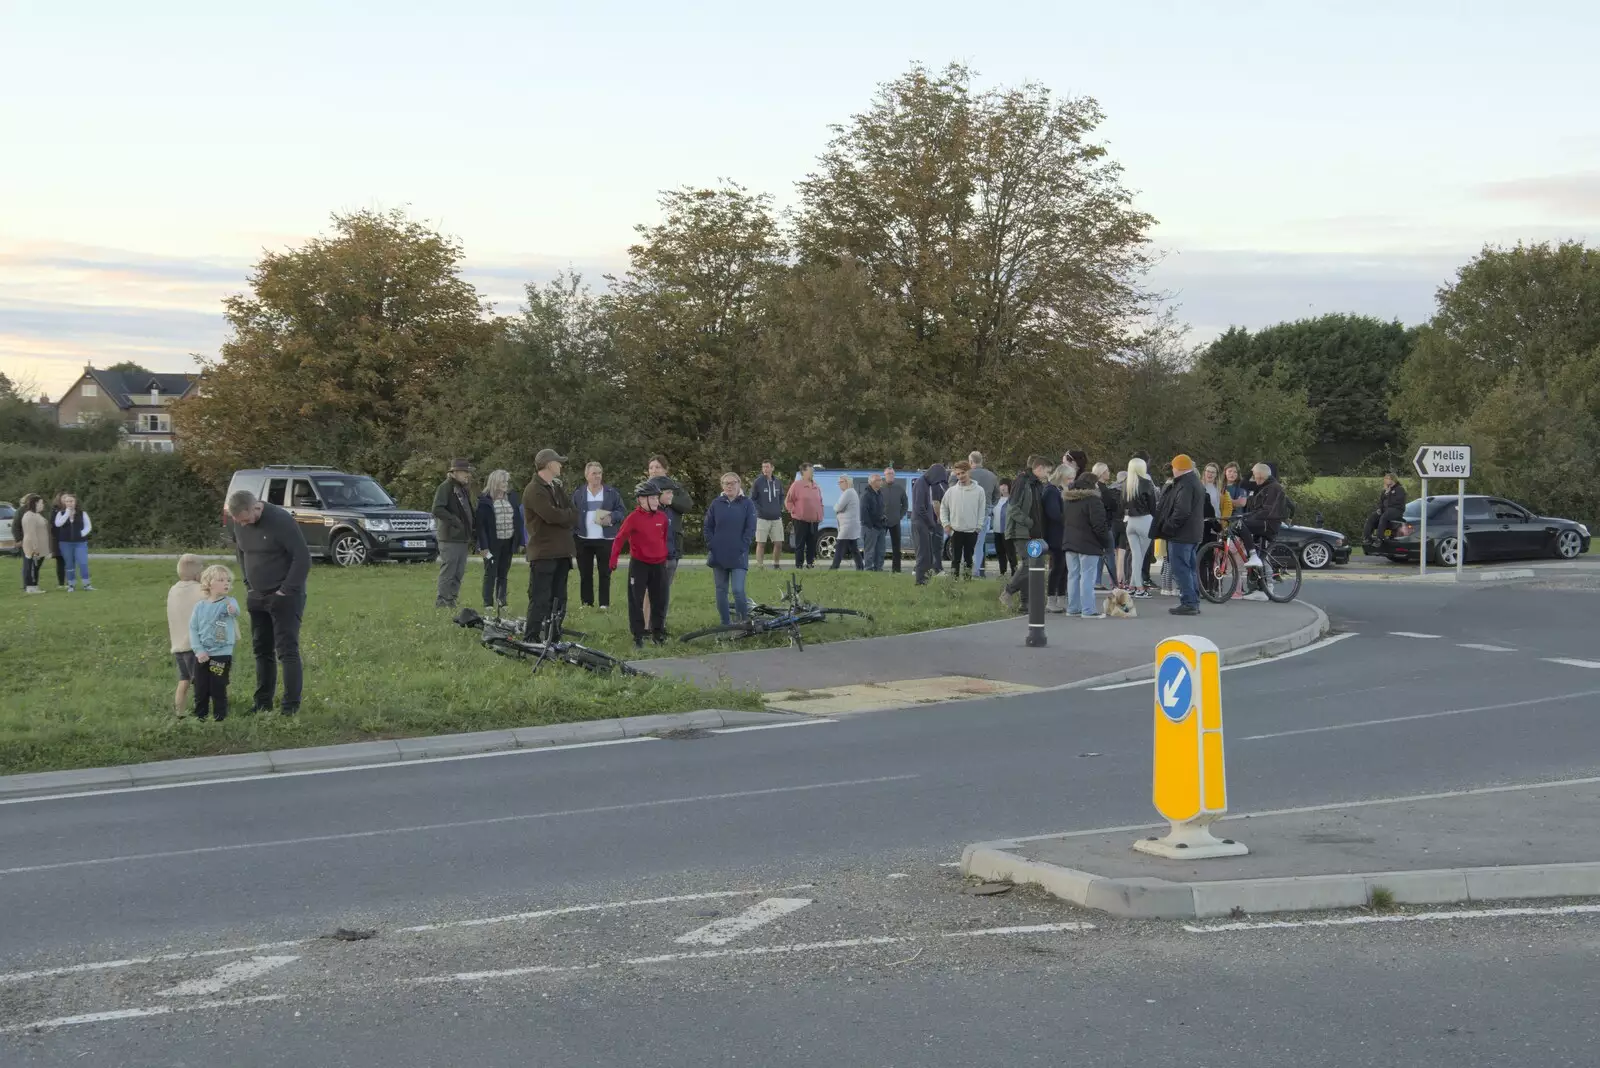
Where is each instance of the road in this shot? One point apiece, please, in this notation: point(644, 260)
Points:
point(886, 959)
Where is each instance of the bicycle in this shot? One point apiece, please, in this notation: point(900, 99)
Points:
point(790, 616)
point(504, 636)
point(1220, 563)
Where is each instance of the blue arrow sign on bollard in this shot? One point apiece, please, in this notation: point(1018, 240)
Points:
point(1036, 548)
point(1175, 688)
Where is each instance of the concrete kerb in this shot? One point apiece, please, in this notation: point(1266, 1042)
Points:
point(1309, 634)
point(357, 754)
point(1148, 898)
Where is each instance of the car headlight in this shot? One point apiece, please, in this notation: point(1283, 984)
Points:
point(1584, 530)
point(1338, 543)
point(433, 526)
point(381, 525)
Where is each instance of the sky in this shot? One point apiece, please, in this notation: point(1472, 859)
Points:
point(1300, 158)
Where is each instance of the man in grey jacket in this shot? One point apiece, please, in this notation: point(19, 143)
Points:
point(454, 514)
point(275, 561)
point(894, 510)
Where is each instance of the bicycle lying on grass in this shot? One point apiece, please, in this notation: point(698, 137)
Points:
point(1221, 564)
point(505, 637)
point(789, 616)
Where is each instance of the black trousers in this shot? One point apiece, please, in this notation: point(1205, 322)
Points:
point(30, 571)
point(805, 545)
point(1252, 530)
point(847, 549)
point(593, 554)
point(1055, 583)
point(61, 570)
point(211, 688)
point(1378, 520)
point(894, 545)
point(962, 545)
point(1149, 558)
point(275, 639)
point(497, 572)
point(547, 592)
point(647, 580)
point(1005, 552)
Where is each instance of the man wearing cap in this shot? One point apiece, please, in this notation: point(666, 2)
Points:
point(1180, 521)
point(550, 517)
point(453, 512)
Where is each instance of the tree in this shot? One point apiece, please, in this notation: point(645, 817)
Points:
point(1261, 419)
point(1165, 407)
point(7, 390)
point(128, 367)
point(688, 329)
point(338, 350)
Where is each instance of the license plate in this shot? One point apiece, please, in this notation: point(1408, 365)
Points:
point(413, 545)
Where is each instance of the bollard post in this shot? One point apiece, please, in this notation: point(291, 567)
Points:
point(1190, 778)
point(1036, 600)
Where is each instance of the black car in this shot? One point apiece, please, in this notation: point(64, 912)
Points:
point(1317, 547)
point(1495, 529)
point(348, 519)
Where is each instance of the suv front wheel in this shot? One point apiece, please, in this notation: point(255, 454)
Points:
point(348, 550)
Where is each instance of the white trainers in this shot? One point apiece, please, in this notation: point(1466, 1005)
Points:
point(1254, 561)
point(1094, 615)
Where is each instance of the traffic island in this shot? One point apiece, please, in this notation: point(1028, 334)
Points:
point(1502, 843)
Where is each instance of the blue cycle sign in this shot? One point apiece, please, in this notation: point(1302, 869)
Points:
point(1175, 688)
point(1035, 548)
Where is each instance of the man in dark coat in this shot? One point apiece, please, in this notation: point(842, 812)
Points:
point(874, 523)
point(455, 515)
point(1391, 506)
point(1181, 522)
point(1024, 522)
point(547, 507)
point(894, 510)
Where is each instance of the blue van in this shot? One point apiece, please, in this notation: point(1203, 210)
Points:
point(828, 481)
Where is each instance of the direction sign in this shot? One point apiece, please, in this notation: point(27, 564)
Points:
point(1443, 461)
point(1175, 688)
point(1036, 548)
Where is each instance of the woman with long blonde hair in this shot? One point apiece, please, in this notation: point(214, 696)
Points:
point(501, 532)
point(1138, 507)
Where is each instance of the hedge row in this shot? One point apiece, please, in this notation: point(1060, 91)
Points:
point(135, 499)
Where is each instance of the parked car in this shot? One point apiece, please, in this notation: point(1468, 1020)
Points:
point(348, 519)
point(829, 482)
point(8, 545)
point(1495, 529)
point(1317, 547)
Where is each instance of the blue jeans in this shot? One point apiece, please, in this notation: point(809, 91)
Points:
point(76, 556)
point(983, 541)
point(721, 576)
point(1080, 583)
point(1182, 555)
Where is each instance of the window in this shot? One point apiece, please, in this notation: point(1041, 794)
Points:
point(1507, 512)
point(155, 423)
point(275, 490)
point(304, 496)
point(90, 389)
point(1478, 509)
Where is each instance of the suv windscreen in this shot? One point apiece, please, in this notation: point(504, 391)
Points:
point(351, 491)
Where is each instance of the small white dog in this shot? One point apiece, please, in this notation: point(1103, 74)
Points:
point(1119, 605)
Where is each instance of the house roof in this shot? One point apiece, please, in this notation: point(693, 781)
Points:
point(120, 386)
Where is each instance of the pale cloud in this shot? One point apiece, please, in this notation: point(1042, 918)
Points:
point(1576, 194)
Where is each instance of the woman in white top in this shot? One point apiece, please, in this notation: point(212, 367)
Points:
point(847, 510)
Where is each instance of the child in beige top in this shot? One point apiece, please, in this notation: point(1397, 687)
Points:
point(181, 599)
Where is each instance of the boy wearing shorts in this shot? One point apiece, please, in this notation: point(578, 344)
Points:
point(181, 599)
point(212, 631)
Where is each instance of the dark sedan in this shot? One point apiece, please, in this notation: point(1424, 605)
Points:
point(1495, 529)
point(1318, 548)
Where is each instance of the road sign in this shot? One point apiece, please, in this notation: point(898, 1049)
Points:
point(1036, 548)
point(1443, 461)
point(1190, 784)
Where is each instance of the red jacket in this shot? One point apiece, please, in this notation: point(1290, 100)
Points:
point(804, 501)
point(645, 533)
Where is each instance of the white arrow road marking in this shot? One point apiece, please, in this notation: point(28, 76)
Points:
point(721, 932)
point(238, 971)
point(1411, 634)
point(131, 1014)
point(1591, 664)
point(1485, 648)
point(1169, 692)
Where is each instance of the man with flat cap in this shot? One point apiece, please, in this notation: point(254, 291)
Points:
point(454, 512)
point(550, 518)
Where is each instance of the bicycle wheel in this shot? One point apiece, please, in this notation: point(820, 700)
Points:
point(845, 612)
point(598, 662)
point(1284, 568)
point(1217, 572)
point(733, 630)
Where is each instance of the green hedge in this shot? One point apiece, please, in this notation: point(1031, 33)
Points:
point(135, 499)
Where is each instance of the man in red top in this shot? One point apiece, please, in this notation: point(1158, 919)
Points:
point(645, 534)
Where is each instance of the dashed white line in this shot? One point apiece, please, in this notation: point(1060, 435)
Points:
point(132, 1014)
point(808, 722)
point(1423, 715)
point(1593, 665)
point(1414, 917)
point(1485, 648)
point(1331, 639)
point(1036, 928)
point(1411, 634)
point(105, 965)
point(231, 974)
point(604, 906)
point(721, 932)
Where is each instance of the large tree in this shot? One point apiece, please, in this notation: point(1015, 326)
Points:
point(338, 349)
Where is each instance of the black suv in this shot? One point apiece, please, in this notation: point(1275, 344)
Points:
point(348, 519)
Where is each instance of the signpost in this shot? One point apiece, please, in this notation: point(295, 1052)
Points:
point(1444, 461)
point(1036, 636)
point(1190, 779)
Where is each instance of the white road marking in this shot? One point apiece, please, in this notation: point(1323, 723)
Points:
point(106, 965)
point(748, 951)
point(1485, 648)
point(231, 974)
point(131, 1014)
point(271, 775)
point(721, 932)
point(1591, 664)
point(346, 836)
point(605, 906)
point(1423, 715)
point(1411, 634)
point(772, 726)
point(1354, 921)
point(1332, 639)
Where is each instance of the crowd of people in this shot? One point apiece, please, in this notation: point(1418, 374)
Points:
point(58, 528)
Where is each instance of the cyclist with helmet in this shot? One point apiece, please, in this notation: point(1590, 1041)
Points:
point(645, 532)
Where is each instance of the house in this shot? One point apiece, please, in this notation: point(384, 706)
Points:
point(138, 399)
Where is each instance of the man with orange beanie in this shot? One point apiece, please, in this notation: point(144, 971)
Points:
point(1180, 522)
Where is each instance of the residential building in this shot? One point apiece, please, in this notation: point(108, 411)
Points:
point(140, 400)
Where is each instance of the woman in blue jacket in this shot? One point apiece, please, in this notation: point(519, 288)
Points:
point(501, 532)
point(730, 527)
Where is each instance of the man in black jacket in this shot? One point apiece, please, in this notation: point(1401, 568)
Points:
point(455, 516)
point(1264, 512)
point(1024, 522)
point(767, 492)
point(874, 527)
point(1391, 506)
point(1180, 521)
point(274, 559)
point(894, 510)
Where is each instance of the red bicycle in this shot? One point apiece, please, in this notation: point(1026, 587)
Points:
point(1221, 566)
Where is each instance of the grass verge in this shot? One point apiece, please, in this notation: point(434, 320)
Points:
point(89, 680)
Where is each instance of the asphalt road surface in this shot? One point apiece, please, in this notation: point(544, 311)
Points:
point(775, 897)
